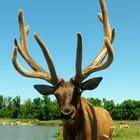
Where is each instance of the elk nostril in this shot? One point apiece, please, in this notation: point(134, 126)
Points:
point(66, 114)
point(67, 111)
point(71, 113)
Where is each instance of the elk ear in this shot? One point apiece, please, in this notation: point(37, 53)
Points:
point(91, 84)
point(44, 89)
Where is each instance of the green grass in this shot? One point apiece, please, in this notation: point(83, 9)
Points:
point(59, 134)
point(49, 123)
point(15, 120)
point(131, 133)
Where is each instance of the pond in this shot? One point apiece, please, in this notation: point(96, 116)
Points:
point(9, 132)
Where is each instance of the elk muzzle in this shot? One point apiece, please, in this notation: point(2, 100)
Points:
point(67, 113)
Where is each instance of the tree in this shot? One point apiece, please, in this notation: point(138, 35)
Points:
point(16, 107)
point(27, 109)
point(47, 108)
point(117, 113)
point(51, 109)
point(95, 102)
point(1, 101)
point(5, 107)
point(108, 105)
point(54, 110)
point(38, 109)
point(136, 113)
point(128, 107)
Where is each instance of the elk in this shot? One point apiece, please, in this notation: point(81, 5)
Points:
point(81, 121)
point(124, 124)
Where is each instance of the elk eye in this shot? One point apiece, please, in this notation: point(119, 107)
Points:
point(56, 95)
point(80, 91)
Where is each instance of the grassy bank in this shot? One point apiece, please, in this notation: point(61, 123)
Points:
point(131, 133)
point(49, 123)
point(32, 121)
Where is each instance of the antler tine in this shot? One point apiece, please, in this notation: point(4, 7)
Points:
point(98, 64)
point(26, 73)
point(24, 45)
point(103, 17)
point(108, 61)
point(39, 72)
point(79, 58)
point(106, 24)
point(48, 58)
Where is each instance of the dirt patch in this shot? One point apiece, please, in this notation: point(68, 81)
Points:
point(134, 123)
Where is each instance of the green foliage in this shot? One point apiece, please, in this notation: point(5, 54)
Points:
point(16, 107)
point(127, 110)
point(95, 102)
point(38, 109)
point(51, 109)
point(108, 105)
point(1, 101)
point(27, 109)
point(117, 113)
point(42, 109)
point(136, 113)
point(46, 109)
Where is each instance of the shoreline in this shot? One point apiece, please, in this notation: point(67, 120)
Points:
point(29, 122)
point(17, 123)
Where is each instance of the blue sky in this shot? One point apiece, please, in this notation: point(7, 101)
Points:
point(57, 23)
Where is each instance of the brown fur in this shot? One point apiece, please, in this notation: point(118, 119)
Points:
point(91, 123)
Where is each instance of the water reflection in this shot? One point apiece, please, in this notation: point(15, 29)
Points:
point(28, 132)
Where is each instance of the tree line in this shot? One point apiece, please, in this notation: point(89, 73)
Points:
point(47, 109)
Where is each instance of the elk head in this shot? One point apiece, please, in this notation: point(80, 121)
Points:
point(67, 93)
